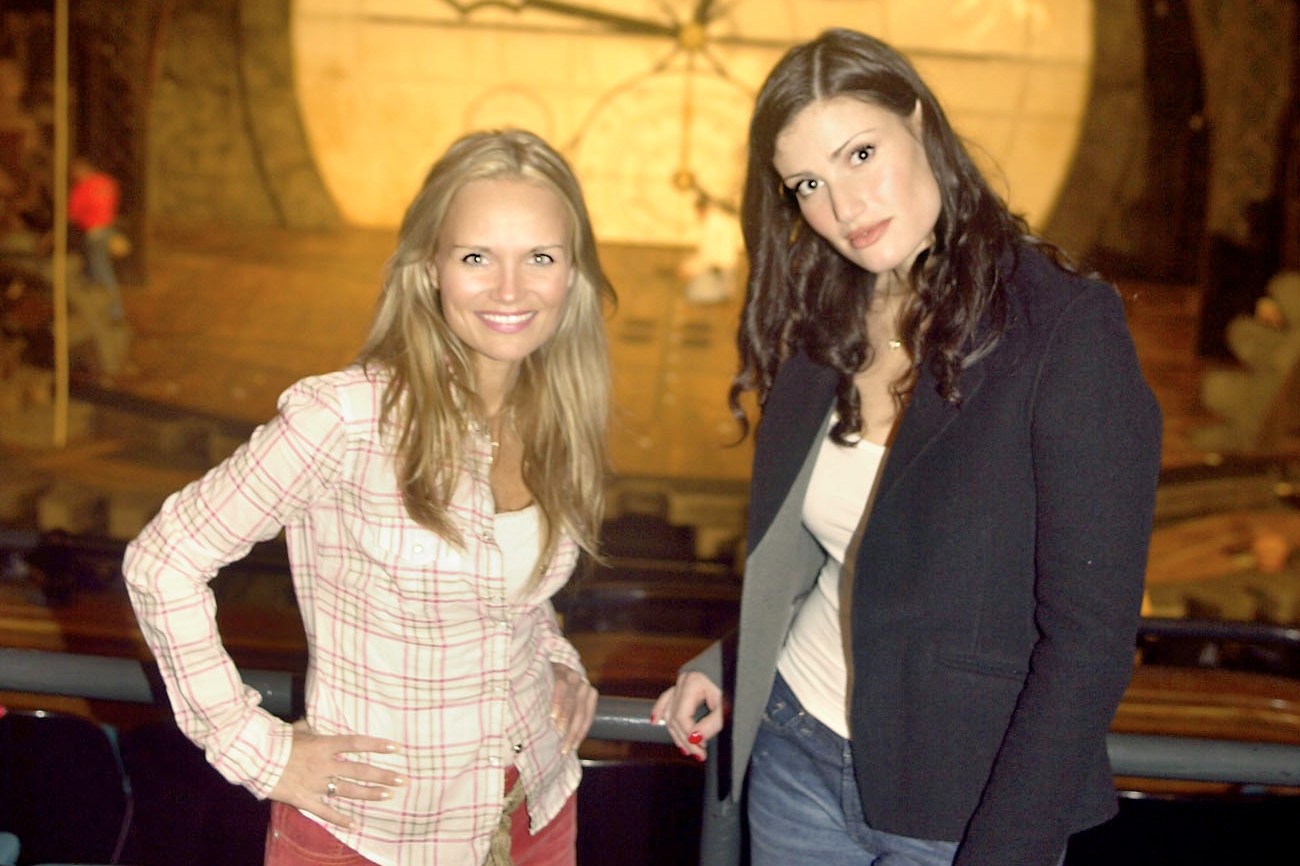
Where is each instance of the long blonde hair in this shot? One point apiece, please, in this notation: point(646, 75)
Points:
point(560, 403)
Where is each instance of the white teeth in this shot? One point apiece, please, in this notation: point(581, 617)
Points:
point(506, 318)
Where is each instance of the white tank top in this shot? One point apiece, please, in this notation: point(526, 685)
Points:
point(519, 534)
point(813, 658)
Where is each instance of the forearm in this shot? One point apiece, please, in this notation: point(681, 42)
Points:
point(553, 645)
point(211, 705)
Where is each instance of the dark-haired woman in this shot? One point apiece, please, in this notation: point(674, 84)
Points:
point(952, 495)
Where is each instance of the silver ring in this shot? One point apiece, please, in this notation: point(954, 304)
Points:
point(331, 789)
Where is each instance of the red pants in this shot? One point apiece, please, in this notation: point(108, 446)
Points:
point(555, 845)
point(293, 839)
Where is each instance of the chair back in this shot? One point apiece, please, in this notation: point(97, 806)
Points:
point(63, 793)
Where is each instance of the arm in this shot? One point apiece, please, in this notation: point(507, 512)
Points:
point(1096, 454)
point(555, 647)
point(573, 698)
point(213, 521)
point(696, 688)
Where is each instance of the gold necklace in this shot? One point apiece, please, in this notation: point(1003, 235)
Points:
point(494, 429)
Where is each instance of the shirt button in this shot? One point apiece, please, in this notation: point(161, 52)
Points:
point(519, 747)
point(494, 761)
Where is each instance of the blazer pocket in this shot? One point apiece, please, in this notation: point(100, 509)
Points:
point(985, 665)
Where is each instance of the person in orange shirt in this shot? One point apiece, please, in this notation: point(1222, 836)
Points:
point(93, 201)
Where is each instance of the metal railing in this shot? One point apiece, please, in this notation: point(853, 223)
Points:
point(628, 719)
point(132, 681)
point(1255, 633)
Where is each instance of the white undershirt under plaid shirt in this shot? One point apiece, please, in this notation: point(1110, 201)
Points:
point(410, 637)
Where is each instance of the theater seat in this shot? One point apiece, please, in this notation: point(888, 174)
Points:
point(63, 794)
point(185, 812)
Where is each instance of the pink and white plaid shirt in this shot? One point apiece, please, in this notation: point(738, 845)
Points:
point(410, 637)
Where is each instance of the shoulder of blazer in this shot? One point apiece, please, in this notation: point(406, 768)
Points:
point(1045, 290)
point(1039, 293)
point(795, 408)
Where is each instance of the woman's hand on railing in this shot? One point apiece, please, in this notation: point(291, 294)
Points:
point(679, 706)
point(573, 706)
point(320, 772)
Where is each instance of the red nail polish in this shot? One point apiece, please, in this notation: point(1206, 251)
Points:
point(654, 720)
point(695, 738)
point(700, 758)
point(683, 751)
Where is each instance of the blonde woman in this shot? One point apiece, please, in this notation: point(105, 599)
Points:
point(434, 496)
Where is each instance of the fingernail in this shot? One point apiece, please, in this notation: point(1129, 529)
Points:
point(398, 780)
point(385, 795)
point(695, 738)
point(700, 758)
point(683, 751)
point(654, 720)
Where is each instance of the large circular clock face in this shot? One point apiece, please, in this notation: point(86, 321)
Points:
point(644, 163)
point(650, 98)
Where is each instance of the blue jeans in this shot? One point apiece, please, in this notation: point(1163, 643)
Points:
point(803, 799)
point(99, 267)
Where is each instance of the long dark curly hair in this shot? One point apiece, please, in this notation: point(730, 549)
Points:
point(803, 295)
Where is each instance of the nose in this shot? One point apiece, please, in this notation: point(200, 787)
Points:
point(509, 284)
point(846, 204)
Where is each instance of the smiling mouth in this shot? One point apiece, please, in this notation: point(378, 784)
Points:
point(507, 321)
point(865, 237)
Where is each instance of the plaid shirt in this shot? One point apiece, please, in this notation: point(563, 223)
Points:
point(410, 637)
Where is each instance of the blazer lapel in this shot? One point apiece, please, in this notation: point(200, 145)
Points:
point(795, 412)
point(924, 421)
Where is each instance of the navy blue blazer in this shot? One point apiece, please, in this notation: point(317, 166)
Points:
point(998, 582)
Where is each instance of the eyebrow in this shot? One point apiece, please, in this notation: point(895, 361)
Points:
point(869, 130)
point(835, 154)
point(560, 245)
